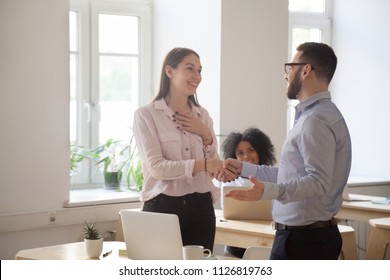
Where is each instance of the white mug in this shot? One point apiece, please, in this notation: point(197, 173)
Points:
point(195, 252)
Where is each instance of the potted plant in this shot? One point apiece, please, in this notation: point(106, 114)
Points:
point(93, 240)
point(114, 156)
point(135, 176)
point(118, 158)
point(78, 154)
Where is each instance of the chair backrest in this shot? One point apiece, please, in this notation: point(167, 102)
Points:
point(257, 253)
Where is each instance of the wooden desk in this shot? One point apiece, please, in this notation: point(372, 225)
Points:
point(363, 210)
point(254, 233)
point(76, 251)
point(260, 233)
point(70, 251)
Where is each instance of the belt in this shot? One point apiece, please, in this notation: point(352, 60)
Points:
point(319, 224)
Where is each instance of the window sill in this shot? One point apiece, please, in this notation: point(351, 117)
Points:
point(355, 181)
point(100, 196)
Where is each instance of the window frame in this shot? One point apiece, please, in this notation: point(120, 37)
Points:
point(87, 101)
point(314, 20)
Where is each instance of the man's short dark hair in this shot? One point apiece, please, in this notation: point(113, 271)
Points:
point(321, 57)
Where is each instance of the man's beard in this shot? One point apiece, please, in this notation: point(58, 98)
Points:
point(294, 88)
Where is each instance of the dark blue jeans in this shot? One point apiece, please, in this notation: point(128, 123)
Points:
point(307, 244)
point(196, 216)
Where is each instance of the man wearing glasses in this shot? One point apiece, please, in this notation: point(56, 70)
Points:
point(314, 167)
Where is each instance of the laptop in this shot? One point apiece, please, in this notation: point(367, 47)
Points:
point(151, 236)
point(245, 210)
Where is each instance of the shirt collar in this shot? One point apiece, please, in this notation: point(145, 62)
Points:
point(313, 99)
point(162, 105)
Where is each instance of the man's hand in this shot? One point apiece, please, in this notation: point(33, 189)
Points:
point(231, 170)
point(233, 165)
point(225, 175)
point(252, 194)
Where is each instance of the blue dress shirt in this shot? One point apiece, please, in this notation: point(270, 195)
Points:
point(314, 167)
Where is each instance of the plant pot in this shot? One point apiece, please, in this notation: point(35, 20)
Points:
point(112, 180)
point(93, 247)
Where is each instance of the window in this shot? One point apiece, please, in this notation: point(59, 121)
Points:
point(310, 20)
point(110, 54)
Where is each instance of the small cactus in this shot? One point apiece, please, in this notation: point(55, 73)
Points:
point(91, 231)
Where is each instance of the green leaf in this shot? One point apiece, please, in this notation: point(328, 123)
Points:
point(91, 231)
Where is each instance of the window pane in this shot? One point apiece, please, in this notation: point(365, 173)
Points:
point(73, 75)
point(116, 120)
point(118, 34)
point(118, 78)
point(118, 96)
point(301, 35)
point(73, 99)
point(73, 31)
point(314, 6)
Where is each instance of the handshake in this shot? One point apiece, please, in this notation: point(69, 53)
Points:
point(223, 170)
point(229, 170)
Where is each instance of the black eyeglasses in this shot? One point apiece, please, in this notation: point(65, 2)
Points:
point(288, 66)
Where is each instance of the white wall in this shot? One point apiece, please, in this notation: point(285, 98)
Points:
point(34, 105)
point(34, 117)
point(254, 47)
point(195, 25)
point(361, 88)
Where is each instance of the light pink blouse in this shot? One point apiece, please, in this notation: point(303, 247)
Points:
point(168, 154)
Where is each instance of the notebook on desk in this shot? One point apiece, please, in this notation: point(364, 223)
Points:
point(245, 210)
point(151, 236)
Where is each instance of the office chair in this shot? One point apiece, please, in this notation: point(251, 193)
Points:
point(257, 253)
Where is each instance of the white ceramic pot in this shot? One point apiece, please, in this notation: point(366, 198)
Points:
point(93, 247)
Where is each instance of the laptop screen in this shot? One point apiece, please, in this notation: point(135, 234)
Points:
point(151, 236)
point(245, 210)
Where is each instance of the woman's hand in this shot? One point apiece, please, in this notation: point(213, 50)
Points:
point(194, 125)
point(213, 165)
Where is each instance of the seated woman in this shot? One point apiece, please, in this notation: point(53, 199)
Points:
point(252, 146)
